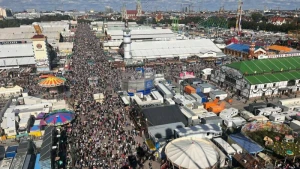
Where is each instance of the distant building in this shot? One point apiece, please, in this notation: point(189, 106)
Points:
point(277, 20)
point(264, 77)
point(244, 51)
point(133, 14)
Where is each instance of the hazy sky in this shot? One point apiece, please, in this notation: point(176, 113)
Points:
point(99, 5)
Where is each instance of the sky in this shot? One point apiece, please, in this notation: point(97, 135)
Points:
point(147, 5)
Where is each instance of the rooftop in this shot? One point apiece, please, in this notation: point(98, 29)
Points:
point(173, 48)
point(266, 65)
point(240, 47)
point(246, 143)
point(269, 70)
point(16, 50)
point(164, 115)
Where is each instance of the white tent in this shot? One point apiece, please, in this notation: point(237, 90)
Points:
point(193, 153)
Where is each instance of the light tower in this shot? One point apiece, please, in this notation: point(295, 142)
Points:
point(127, 41)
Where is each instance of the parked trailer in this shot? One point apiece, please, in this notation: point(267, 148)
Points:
point(196, 97)
point(229, 113)
point(206, 88)
point(234, 122)
point(277, 117)
point(157, 96)
point(268, 111)
point(166, 93)
point(218, 93)
point(189, 89)
point(193, 119)
point(224, 146)
point(290, 103)
point(203, 96)
point(246, 115)
point(253, 106)
point(237, 148)
point(295, 125)
point(169, 101)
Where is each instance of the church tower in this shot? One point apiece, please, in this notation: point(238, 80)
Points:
point(139, 8)
point(124, 12)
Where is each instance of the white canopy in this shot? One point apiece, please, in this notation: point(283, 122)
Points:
point(192, 153)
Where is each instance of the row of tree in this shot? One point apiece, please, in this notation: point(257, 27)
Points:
point(265, 26)
point(18, 22)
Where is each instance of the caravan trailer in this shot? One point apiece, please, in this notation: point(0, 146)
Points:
point(229, 113)
point(290, 103)
point(224, 146)
point(277, 117)
point(246, 115)
point(268, 111)
point(169, 101)
point(254, 106)
point(235, 122)
point(193, 119)
point(218, 93)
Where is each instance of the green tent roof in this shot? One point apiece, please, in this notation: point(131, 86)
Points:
point(269, 70)
point(266, 65)
point(274, 77)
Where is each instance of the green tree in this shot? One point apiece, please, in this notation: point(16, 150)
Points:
point(256, 17)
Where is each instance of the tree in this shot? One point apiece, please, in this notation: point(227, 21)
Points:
point(256, 17)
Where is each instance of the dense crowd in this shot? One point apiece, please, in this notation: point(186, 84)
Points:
point(102, 135)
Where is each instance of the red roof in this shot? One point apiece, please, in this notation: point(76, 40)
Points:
point(277, 19)
point(38, 36)
point(131, 11)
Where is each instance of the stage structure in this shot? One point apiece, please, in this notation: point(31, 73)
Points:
point(141, 80)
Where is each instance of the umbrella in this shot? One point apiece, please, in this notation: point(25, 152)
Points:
point(40, 115)
point(35, 128)
point(43, 123)
point(52, 81)
point(59, 117)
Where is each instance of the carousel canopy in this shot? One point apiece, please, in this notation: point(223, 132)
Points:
point(59, 117)
point(192, 153)
point(52, 81)
point(35, 128)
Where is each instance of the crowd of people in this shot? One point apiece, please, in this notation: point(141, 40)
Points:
point(102, 135)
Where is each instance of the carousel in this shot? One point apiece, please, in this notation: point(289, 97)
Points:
point(53, 83)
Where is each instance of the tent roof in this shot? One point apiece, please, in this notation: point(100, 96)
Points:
point(47, 143)
point(246, 143)
point(164, 115)
point(192, 153)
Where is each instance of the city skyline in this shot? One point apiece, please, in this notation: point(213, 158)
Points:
point(148, 5)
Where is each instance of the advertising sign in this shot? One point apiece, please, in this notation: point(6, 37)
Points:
point(12, 42)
